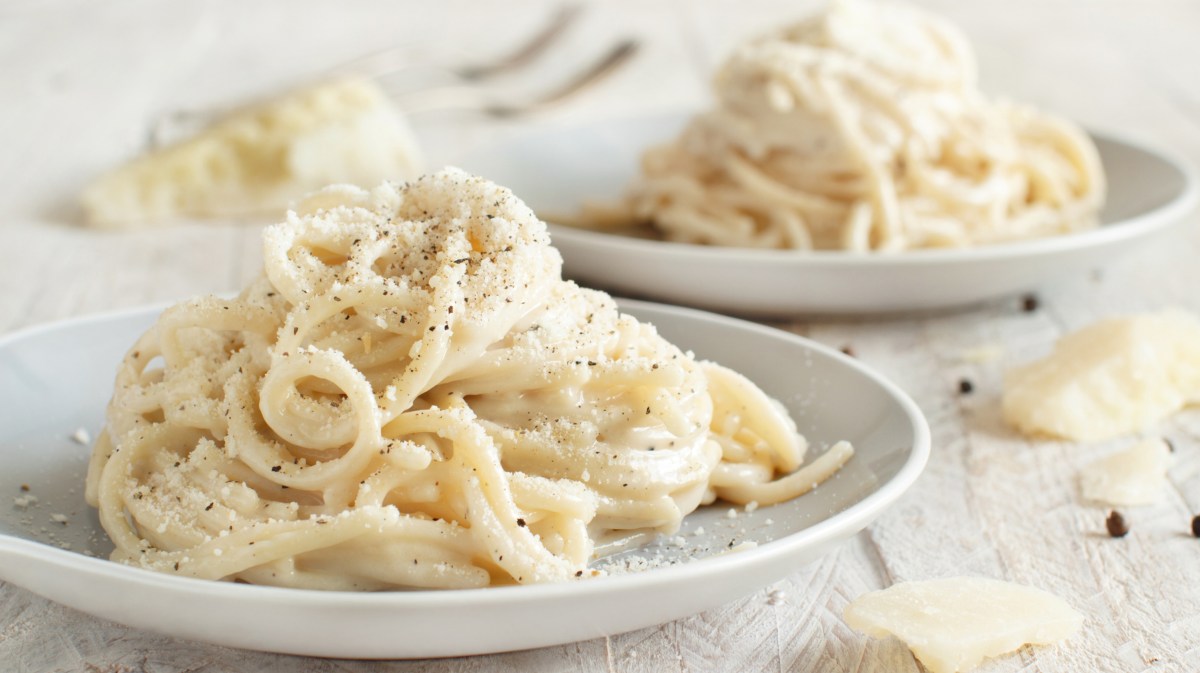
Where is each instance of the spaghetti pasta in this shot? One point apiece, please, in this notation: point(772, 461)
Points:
point(411, 396)
point(862, 129)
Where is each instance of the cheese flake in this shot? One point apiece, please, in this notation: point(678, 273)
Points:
point(1136, 476)
point(1111, 378)
point(953, 624)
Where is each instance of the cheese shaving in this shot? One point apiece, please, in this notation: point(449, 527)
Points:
point(1111, 378)
point(1136, 476)
point(953, 624)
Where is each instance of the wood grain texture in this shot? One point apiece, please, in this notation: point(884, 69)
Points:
point(84, 81)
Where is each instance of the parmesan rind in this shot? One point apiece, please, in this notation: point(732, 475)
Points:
point(1137, 476)
point(1111, 378)
point(260, 159)
point(953, 624)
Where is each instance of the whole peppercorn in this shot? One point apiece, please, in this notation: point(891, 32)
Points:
point(1116, 524)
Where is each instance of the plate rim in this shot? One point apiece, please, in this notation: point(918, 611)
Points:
point(853, 518)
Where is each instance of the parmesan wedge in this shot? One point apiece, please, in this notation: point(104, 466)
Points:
point(953, 624)
point(1108, 379)
point(261, 158)
point(1137, 476)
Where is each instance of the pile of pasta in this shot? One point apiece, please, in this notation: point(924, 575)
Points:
point(411, 396)
point(862, 129)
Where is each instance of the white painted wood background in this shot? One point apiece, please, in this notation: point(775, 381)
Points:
point(80, 82)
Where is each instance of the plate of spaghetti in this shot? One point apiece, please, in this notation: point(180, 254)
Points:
point(410, 423)
point(850, 164)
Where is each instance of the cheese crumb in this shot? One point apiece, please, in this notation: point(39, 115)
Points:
point(1108, 379)
point(81, 436)
point(1136, 476)
point(982, 355)
point(59, 518)
point(953, 624)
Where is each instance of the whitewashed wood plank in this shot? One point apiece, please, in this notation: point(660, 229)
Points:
point(792, 625)
point(52, 272)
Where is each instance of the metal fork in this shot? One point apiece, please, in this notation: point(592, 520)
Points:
point(474, 98)
point(463, 97)
point(395, 60)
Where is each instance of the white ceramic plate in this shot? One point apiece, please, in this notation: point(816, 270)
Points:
point(58, 378)
point(555, 169)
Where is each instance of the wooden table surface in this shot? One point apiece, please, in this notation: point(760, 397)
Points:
point(82, 82)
